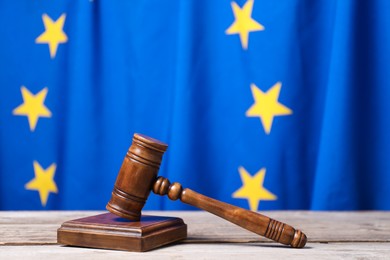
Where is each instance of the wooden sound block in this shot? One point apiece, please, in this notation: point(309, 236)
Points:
point(112, 232)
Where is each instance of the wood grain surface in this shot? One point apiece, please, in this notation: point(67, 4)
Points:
point(342, 235)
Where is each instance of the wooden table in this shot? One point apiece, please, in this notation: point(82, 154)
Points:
point(331, 235)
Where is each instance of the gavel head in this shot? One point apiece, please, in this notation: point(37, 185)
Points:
point(136, 177)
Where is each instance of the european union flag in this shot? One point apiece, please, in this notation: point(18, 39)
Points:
point(264, 105)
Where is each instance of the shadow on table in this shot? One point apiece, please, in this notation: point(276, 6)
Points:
point(256, 243)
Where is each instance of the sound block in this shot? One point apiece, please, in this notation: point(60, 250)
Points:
point(109, 231)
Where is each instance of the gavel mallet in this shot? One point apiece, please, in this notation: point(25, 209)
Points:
point(138, 176)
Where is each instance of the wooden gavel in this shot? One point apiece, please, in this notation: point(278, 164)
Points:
point(138, 176)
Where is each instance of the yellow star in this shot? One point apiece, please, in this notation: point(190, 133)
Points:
point(252, 188)
point(43, 181)
point(33, 106)
point(266, 105)
point(53, 34)
point(243, 23)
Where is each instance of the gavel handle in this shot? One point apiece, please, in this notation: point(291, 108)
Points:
point(252, 221)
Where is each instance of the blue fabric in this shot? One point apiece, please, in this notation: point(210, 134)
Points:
point(168, 69)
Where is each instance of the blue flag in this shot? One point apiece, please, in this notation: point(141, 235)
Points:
point(263, 105)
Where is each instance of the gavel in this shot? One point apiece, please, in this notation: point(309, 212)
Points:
point(138, 176)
